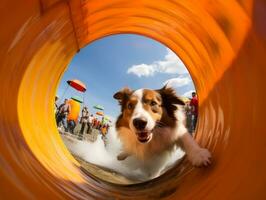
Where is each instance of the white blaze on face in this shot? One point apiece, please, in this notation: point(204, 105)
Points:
point(140, 112)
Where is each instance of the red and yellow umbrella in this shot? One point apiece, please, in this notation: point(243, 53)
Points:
point(77, 84)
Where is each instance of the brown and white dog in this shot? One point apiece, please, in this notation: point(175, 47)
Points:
point(153, 122)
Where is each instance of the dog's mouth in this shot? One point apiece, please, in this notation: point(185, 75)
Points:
point(144, 136)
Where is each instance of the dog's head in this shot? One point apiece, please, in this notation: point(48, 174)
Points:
point(143, 110)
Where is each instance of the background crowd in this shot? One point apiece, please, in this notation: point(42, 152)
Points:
point(86, 124)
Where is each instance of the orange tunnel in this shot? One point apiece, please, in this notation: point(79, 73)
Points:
point(223, 44)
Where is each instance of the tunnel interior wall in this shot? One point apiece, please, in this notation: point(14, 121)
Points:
point(221, 42)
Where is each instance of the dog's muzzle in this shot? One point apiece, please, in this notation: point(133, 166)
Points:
point(144, 136)
point(142, 133)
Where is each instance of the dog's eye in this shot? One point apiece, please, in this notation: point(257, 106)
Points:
point(153, 103)
point(130, 106)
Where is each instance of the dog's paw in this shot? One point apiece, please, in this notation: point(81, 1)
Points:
point(200, 157)
point(122, 156)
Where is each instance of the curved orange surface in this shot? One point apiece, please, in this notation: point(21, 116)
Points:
point(223, 44)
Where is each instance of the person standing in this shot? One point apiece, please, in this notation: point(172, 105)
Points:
point(90, 123)
point(63, 111)
point(94, 122)
point(56, 105)
point(107, 128)
point(188, 116)
point(194, 111)
point(84, 121)
point(104, 132)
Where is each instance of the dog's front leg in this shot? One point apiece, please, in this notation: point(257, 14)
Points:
point(196, 155)
point(122, 156)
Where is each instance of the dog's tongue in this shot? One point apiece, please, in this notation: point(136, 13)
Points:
point(143, 134)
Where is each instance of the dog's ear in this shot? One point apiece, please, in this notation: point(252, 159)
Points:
point(169, 97)
point(122, 94)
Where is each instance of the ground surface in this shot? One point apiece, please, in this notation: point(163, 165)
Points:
point(104, 173)
point(98, 171)
point(75, 144)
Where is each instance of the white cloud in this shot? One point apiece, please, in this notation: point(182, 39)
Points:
point(188, 93)
point(142, 70)
point(170, 65)
point(177, 82)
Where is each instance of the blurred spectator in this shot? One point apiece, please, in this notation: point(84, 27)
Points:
point(98, 124)
point(90, 123)
point(56, 104)
point(94, 121)
point(194, 111)
point(71, 124)
point(107, 128)
point(104, 132)
point(84, 120)
point(63, 111)
point(188, 116)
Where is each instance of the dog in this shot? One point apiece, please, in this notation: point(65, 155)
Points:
point(152, 122)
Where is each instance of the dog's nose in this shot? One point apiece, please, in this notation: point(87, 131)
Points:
point(139, 123)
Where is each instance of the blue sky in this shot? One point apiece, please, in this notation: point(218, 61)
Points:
point(111, 63)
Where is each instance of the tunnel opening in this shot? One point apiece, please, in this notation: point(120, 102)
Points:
point(86, 112)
